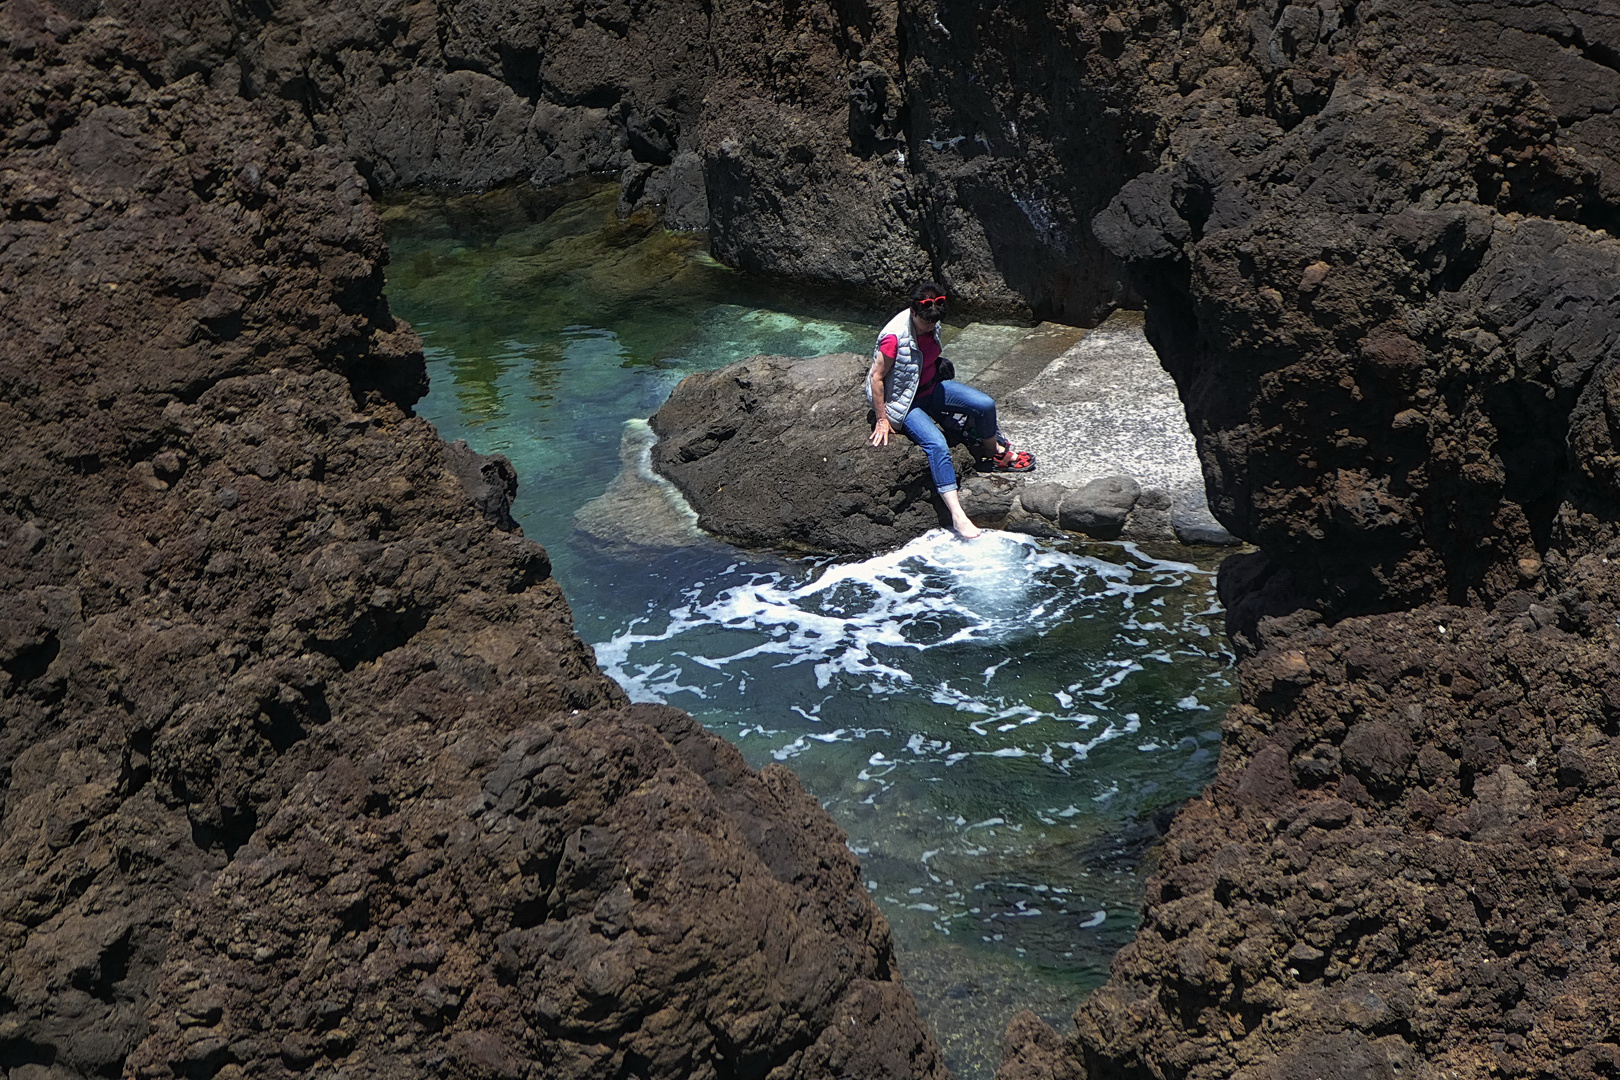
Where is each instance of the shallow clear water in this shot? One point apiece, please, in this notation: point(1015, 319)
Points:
point(996, 724)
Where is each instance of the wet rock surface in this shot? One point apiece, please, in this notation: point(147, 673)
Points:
point(304, 768)
point(640, 512)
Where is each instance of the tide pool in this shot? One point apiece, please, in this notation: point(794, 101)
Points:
point(1000, 725)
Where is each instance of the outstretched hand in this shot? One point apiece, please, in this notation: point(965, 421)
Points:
point(880, 432)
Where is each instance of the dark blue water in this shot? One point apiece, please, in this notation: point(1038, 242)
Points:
point(997, 724)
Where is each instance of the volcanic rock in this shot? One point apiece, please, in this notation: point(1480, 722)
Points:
point(1392, 864)
point(1369, 257)
point(303, 764)
point(1375, 244)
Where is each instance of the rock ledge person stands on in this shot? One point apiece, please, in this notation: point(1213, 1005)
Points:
point(906, 391)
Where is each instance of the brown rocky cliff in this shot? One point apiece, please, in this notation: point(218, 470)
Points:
point(862, 144)
point(1375, 260)
point(303, 765)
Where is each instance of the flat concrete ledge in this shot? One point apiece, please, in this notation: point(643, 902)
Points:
point(1106, 409)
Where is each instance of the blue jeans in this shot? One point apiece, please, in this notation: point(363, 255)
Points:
point(948, 397)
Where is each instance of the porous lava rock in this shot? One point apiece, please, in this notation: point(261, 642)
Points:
point(1349, 277)
point(304, 767)
point(865, 144)
point(1374, 241)
point(598, 893)
point(1406, 864)
point(1376, 258)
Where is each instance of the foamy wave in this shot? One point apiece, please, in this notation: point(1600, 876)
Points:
point(869, 627)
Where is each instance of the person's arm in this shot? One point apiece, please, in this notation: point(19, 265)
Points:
point(882, 364)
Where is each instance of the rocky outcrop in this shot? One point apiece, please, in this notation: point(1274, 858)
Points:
point(1371, 237)
point(1374, 262)
point(597, 893)
point(754, 121)
point(304, 767)
point(1456, 348)
point(774, 451)
point(972, 142)
point(1405, 866)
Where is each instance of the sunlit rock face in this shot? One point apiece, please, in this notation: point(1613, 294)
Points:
point(867, 144)
point(1373, 258)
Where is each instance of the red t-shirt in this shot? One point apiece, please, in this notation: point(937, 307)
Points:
point(889, 346)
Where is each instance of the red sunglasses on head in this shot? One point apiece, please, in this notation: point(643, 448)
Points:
point(932, 300)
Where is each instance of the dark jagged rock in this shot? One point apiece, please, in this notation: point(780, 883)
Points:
point(1448, 345)
point(490, 482)
point(1402, 861)
point(303, 764)
point(582, 896)
point(753, 121)
point(1373, 261)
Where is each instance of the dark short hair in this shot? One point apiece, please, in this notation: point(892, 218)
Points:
point(925, 288)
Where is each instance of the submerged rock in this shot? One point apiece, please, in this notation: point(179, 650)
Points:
point(639, 509)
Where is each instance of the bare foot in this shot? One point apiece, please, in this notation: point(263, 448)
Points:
point(959, 519)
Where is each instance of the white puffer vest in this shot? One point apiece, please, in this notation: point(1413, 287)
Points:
point(900, 387)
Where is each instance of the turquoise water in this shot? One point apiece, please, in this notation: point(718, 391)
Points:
point(997, 724)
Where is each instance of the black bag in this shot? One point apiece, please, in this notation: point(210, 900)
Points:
point(944, 369)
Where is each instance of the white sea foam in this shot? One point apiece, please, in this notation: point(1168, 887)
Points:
point(853, 620)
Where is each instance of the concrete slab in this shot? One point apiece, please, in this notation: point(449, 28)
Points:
point(1024, 359)
point(978, 345)
point(1106, 407)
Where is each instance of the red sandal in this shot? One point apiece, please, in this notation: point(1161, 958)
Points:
point(1009, 460)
